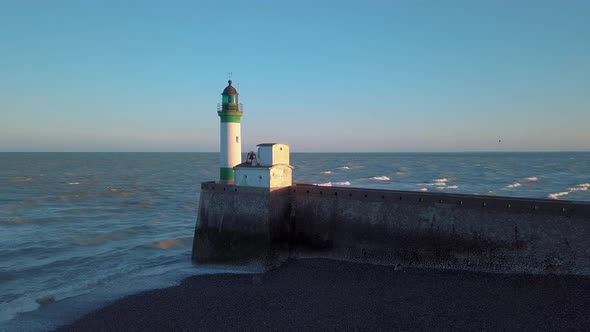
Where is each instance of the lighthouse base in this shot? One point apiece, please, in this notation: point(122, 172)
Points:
point(226, 174)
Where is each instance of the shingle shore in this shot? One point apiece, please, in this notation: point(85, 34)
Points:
point(320, 294)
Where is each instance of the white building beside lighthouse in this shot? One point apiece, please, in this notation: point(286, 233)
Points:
point(270, 168)
point(230, 113)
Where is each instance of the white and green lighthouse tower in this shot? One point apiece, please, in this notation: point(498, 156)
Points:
point(230, 143)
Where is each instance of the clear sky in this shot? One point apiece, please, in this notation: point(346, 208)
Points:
point(318, 75)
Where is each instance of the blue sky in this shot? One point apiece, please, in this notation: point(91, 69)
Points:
point(318, 75)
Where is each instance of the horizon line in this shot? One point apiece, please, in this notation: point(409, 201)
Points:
point(367, 152)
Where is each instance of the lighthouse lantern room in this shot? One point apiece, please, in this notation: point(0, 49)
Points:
point(230, 114)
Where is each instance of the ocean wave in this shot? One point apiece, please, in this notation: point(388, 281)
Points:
point(21, 179)
point(101, 239)
point(559, 194)
point(143, 204)
point(73, 183)
point(531, 179)
point(344, 167)
point(38, 220)
point(330, 184)
point(448, 187)
point(17, 221)
point(578, 187)
point(514, 185)
point(9, 310)
point(171, 243)
point(121, 193)
point(19, 205)
point(430, 184)
point(421, 189)
point(441, 180)
point(76, 197)
point(380, 178)
point(327, 172)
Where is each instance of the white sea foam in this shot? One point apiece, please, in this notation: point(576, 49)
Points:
point(531, 179)
point(580, 187)
point(451, 187)
point(73, 183)
point(422, 189)
point(441, 180)
point(559, 194)
point(577, 189)
point(514, 185)
point(337, 184)
point(380, 178)
point(345, 183)
point(344, 167)
point(327, 172)
point(430, 184)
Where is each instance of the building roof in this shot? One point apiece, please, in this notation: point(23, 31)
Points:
point(269, 144)
point(249, 165)
point(229, 89)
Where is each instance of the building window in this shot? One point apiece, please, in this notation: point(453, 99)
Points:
point(237, 139)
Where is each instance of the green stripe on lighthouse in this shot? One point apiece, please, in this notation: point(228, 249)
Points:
point(226, 174)
point(229, 117)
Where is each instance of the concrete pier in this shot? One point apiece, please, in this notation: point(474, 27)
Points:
point(481, 233)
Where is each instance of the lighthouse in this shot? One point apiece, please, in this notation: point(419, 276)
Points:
point(230, 142)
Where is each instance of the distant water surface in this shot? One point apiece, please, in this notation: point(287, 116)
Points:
point(79, 229)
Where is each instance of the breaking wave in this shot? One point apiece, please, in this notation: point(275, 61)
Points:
point(73, 183)
point(380, 178)
point(344, 167)
point(422, 189)
point(578, 187)
point(327, 172)
point(559, 194)
point(514, 185)
point(335, 184)
point(531, 179)
point(448, 187)
point(442, 182)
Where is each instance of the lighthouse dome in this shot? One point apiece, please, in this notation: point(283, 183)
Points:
point(229, 89)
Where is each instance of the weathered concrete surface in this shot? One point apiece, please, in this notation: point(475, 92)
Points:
point(393, 227)
point(239, 223)
point(442, 230)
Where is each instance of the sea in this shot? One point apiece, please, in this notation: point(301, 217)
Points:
point(79, 230)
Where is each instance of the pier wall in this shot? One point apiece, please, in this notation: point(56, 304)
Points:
point(240, 223)
point(484, 233)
